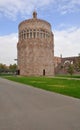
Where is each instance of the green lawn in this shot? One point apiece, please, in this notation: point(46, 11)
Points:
point(69, 76)
point(68, 87)
point(6, 74)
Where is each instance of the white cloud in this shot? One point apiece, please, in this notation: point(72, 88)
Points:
point(11, 8)
point(68, 6)
point(8, 49)
point(67, 42)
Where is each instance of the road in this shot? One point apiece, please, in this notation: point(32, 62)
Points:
point(26, 108)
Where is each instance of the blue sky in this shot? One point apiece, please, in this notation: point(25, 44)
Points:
point(63, 15)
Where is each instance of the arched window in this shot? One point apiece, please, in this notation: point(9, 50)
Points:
point(43, 34)
point(24, 34)
point(37, 33)
point(30, 33)
point(27, 33)
point(40, 33)
point(34, 33)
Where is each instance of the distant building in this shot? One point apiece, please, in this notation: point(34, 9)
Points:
point(35, 48)
point(62, 64)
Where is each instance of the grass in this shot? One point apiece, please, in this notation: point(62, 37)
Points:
point(68, 87)
point(69, 76)
point(5, 74)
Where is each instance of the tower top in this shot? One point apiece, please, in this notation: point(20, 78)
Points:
point(35, 15)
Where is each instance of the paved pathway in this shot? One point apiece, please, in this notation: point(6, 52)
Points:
point(27, 108)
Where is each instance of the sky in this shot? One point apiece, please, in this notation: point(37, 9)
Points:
point(63, 15)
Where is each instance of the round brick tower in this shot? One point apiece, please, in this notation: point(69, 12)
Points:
point(35, 47)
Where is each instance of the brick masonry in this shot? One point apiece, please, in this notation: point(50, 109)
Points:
point(35, 48)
